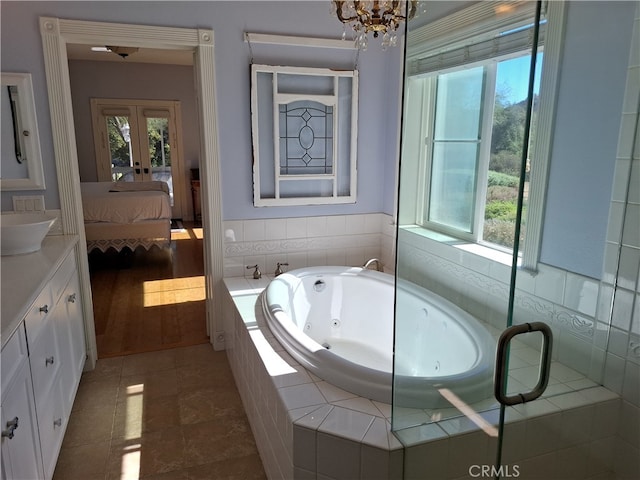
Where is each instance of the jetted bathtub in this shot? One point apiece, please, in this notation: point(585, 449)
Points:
point(338, 322)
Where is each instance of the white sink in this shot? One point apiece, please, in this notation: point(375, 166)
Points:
point(23, 232)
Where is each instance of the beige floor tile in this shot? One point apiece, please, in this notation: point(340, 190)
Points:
point(105, 367)
point(90, 425)
point(149, 362)
point(199, 376)
point(84, 462)
point(169, 415)
point(96, 393)
point(217, 440)
point(209, 404)
point(150, 384)
point(151, 454)
point(237, 468)
point(195, 354)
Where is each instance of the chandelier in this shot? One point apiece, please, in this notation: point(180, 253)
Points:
point(375, 16)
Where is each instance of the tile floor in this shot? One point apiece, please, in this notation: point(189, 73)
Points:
point(172, 414)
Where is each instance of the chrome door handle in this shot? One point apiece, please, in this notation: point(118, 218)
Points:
point(500, 378)
point(57, 423)
point(44, 309)
point(72, 298)
point(48, 361)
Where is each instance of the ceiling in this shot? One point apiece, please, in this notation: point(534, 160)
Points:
point(143, 55)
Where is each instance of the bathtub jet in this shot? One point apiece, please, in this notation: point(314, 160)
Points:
point(343, 332)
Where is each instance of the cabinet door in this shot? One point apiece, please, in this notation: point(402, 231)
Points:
point(21, 457)
point(52, 423)
point(70, 333)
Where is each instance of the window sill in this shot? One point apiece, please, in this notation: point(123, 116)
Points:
point(483, 251)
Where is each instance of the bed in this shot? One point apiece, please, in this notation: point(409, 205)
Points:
point(126, 214)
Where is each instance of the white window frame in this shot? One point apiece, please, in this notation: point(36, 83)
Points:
point(479, 22)
point(261, 199)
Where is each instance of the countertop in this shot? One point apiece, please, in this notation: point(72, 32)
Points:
point(24, 276)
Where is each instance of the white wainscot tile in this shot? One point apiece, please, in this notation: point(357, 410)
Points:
point(234, 230)
point(631, 229)
point(550, 283)
point(620, 180)
point(432, 457)
point(333, 393)
point(296, 227)
point(355, 224)
point(275, 228)
point(622, 309)
point(337, 457)
point(347, 424)
point(631, 385)
point(614, 372)
point(372, 223)
point(300, 396)
point(304, 448)
point(628, 268)
point(336, 225)
point(317, 227)
point(254, 230)
point(581, 294)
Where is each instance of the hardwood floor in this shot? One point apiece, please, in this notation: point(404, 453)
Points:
point(150, 300)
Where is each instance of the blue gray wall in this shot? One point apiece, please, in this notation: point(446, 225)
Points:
point(22, 51)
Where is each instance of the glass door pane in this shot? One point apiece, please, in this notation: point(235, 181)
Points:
point(159, 147)
point(120, 147)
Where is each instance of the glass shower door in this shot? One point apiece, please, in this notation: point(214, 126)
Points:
point(463, 186)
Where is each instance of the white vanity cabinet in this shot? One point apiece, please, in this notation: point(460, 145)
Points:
point(21, 457)
point(52, 327)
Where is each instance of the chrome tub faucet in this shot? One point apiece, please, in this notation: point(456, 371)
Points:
point(379, 266)
point(279, 270)
point(257, 274)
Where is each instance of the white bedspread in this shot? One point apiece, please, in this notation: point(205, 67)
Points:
point(101, 205)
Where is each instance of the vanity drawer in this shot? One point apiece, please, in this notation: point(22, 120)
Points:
point(38, 313)
point(14, 354)
point(59, 281)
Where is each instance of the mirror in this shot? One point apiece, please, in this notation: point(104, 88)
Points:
point(21, 157)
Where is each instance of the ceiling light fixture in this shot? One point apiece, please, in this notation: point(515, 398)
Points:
point(124, 52)
point(375, 16)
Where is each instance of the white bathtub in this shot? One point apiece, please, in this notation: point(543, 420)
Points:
point(338, 323)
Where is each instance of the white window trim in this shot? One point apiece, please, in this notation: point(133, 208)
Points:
point(480, 20)
point(258, 199)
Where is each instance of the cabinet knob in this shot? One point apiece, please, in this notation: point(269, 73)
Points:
point(72, 298)
point(48, 361)
point(12, 425)
point(44, 309)
point(57, 423)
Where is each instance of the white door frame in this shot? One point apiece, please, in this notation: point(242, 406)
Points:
point(56, 33)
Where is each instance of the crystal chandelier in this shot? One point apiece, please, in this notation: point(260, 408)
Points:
point(375, 16)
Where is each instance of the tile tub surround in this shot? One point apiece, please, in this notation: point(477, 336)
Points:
point(306, 241)
point(299, 420)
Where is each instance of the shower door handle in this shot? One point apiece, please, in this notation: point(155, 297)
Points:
point(500, 378)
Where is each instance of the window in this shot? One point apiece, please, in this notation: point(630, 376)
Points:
point(465, 109)
point(303, 124)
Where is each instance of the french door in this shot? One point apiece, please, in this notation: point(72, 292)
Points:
point(140, 140)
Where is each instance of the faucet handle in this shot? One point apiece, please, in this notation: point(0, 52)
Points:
point(256, 274)
point(279, 270)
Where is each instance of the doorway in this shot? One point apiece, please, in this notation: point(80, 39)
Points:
point(56, 34)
